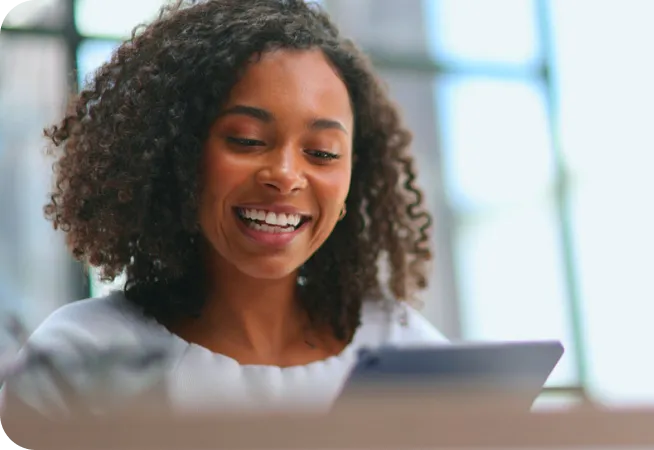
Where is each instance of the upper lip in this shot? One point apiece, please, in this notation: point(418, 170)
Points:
point(277, 208)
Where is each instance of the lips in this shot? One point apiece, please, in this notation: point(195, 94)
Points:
point(276, 228)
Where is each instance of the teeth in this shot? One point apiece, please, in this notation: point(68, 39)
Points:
point(293, 219)
point(269, 228)
point(279, 220)
point(282, 220)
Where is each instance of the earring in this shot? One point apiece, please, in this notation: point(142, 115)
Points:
point(343, 212)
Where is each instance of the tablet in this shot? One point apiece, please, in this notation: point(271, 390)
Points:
point(514, 372)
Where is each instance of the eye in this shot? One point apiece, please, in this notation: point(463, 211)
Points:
point(245, 142)
point(322, 155)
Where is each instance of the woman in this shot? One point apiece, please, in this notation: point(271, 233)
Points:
point(241, 164)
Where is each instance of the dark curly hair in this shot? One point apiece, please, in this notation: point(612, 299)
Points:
point(129, 149)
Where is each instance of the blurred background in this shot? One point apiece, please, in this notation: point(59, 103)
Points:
point(534, 137)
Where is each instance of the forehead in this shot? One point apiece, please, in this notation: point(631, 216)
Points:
point(294, 81)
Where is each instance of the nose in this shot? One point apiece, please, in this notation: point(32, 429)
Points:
point(283, 171)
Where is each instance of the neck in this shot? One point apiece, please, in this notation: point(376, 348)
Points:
point(244, 314)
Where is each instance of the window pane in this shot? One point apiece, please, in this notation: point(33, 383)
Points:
point(91, 55)
point(613, 223)
point(497, 31)
point(114, 17)
point(35, 270)
point(606, 109)
point(496, 142)
point(37, 13)
point(606, 112)
point(511, 283)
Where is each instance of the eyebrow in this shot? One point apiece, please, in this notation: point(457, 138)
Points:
point(328, 124)
point(267, 117)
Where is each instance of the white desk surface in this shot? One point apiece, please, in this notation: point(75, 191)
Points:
point(411, 423)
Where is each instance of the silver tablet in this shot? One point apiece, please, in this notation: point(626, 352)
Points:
point(513, 372)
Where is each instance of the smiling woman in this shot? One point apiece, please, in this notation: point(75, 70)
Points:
point(240, 163)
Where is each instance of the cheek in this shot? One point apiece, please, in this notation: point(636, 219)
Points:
point(221, 177)
point(332, 189)
point(222, 174)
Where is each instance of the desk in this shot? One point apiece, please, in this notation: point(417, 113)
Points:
point(408, 424)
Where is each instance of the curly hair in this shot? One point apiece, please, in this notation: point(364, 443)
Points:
point(128, 155)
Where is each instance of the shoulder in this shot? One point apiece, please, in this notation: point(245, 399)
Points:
point(94, 323)
point(60, 357)
point(387, 321)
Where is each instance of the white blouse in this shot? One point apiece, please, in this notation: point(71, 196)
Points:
point(193, 378)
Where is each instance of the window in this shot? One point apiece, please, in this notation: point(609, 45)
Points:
point(496, 145)
point(606, 106)
point(560, 243)
point(499, 173)
point(481, 32)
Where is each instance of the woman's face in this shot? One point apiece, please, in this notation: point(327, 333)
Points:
point(277, 164)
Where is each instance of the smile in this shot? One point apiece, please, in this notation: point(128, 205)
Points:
point(269, 221)
point(269, 227)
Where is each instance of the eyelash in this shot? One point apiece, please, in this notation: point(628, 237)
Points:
point(245, 142)
point(320, 154)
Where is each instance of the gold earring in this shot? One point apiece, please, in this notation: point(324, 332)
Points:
point(343, 212)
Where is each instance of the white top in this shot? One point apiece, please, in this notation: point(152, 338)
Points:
point(194, 378)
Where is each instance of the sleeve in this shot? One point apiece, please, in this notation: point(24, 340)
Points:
point(43, 378)
point(88, 355)
point(409, 327)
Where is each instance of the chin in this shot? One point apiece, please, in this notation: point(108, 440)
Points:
point(268, 269)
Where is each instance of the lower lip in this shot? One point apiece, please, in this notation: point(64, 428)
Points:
point(275, 240)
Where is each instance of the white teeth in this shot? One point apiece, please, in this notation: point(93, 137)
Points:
point(293, 219)
point(269, 229)
point(280, 220)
